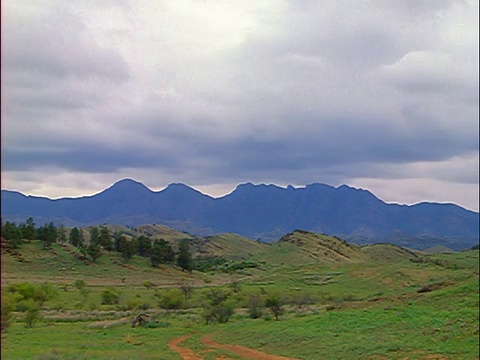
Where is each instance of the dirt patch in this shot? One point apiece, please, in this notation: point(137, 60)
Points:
point(431, 287)
point(185, 353)
point(243, 351)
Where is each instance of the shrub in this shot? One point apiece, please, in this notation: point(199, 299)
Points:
point(218, 308)
point(303, 299)
point(224, 311)
point(84, 292)
point(255, 306)
point(110, 297)
point(171, 299)
point(156, 324)
point(274, 302)
point(79, 284)
point(133, 304)
point(32, 314)
point(24, 292)
point(8, 306)
point(148, 284)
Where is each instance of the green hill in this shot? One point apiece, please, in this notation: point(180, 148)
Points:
point(308, 247)
point(398, 303)
point(229, 246)
point(389, 253)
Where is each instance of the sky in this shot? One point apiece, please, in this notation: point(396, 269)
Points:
point(379, 95)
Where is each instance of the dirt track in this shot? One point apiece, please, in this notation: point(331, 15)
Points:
point(244, 352)
point(185, 353)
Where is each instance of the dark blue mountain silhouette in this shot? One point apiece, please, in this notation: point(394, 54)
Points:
point(259, 211)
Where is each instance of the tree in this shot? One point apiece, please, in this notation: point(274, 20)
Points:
point(28, 231)
point(62, 234)
point(12, 234)
point(274, 303)
point(144, 245)
point(128, 248)
point(118, 239)
point(94, 251)
point(235, 284)
point(184, 257)
point(105, 239)
point(186, 288)
point(7, 305)
point(81, 244)
point(74, 236)
point(32, 313)
point(47, 234)
point(255, 306)
point(94, 235)
point(218, 307)
point(161, 253)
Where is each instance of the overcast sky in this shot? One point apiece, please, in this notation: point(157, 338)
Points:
point(381, 95)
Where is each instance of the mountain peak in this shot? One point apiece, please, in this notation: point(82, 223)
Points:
point(178, 186)
point(128, 186)
point(182, 189)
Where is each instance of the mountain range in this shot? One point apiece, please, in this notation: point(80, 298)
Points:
point(260, 212)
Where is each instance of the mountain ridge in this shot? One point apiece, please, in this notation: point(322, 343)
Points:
point(289, 187)
point(259, 211)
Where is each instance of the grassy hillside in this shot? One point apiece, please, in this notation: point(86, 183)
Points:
point(389, 253)
point(337, 300)
point(230, 246)
point(303, 247)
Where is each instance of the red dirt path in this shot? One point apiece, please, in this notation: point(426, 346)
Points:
point(185, 353)
point(244, 352)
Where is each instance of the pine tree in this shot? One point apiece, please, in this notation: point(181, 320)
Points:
point(94, 251)
point(62, 234)
point(94, 235)
point(144, 245)
point(105, 240)
point(184, 257)
point(74, 236)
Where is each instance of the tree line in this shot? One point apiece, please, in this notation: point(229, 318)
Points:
point(158, 251)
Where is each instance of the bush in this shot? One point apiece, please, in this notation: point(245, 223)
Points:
point(171, 299)
point(32, 313)
point(110, 297)
point(224, 311)
point(274, 302)
point(79, 284)
point(148, 284)
point(24, 292)
point(8, 305)
point(255, 306)
point(133, 304)
point(218, 308)
point(303, 299)
point(155, 324)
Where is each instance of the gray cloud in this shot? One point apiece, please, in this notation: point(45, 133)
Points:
point(207, 93)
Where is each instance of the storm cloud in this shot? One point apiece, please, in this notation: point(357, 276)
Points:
point(376, 95)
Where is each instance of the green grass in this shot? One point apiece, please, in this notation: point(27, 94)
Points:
point(79, 341)
point(362, 308)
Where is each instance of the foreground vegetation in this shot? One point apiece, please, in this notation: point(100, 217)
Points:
point(332, 300)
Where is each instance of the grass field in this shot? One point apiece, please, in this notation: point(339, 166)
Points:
point(422, 306)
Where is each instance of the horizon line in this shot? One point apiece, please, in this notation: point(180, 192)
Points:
point(284, 187)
